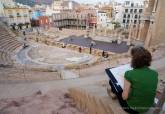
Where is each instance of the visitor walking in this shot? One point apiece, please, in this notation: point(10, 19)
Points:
point(80, 49)
point(103, 54)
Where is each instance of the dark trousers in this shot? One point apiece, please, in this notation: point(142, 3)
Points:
point(122, 102)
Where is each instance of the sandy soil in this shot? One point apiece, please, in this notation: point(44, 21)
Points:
point(54, 102)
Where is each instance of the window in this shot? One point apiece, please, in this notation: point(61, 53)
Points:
point(25, 15)
point(140, 10)
point(132, 4)
point(10, 12)
point(136, 16)
point(135, 10)
point(123, 20)
point(128, 16)
point(126, 10)
point(131, 10)
point(135, 21)
point(18, 15)
point(124, 16)
point(127, 21)
point(127, 2)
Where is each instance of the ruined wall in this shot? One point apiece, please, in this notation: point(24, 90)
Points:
point(146, 20)
point(159, 25)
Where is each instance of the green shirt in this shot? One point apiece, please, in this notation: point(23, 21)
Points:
point(143, 88)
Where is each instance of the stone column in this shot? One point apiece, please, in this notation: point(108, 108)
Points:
point(130, 35)
point(119, 40)
point(149, 36)
point(146, 20)
point(159, 24)
point(140, 30)
point(94, 31)
point(137, 31)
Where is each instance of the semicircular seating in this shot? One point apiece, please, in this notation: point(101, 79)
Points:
point(8, 44)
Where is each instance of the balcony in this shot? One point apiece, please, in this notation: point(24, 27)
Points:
point(18, 15)
point(25, 15)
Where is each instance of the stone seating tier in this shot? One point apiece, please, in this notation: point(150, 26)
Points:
point(8, 44)
point(94, 99)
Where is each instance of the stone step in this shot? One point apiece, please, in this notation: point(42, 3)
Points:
point(13, 46)
point(7, 38)
point(94, 100)
point(1, 58)
point(66, 74)
point(4, 34)
point(10, 46)
point(6, 44)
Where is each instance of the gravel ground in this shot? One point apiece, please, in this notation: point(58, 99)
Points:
point(54, 102)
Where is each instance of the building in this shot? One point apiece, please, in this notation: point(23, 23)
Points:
point(132, 12)
point(14, 13)
point(109, 10)
point(59, 5)
point(7, 2)
point(103, 20)
point(17, 15)
point(75, 19)
point(128, 12)
point(43, 21)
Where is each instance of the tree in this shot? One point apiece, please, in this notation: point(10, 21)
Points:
point(27, 24)
point(117, 25)
point(20, 26)
point(13, 26)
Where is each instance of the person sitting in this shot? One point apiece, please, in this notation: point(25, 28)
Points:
point(140, 83)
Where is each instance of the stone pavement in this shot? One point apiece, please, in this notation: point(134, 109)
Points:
point(106, 46)
point(9, 90)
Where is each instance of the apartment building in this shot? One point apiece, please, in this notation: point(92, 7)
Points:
point(17, 15)
point(132, 12)
point(75, 19)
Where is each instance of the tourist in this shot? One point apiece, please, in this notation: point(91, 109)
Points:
point(80, 49)
point(140, 83)
point(93, 43)
point(71, 39)
point(24, 33)
point(103, 53)
point(63, 45)
point(25, 38)
point(90, 49)
point(37, 39)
